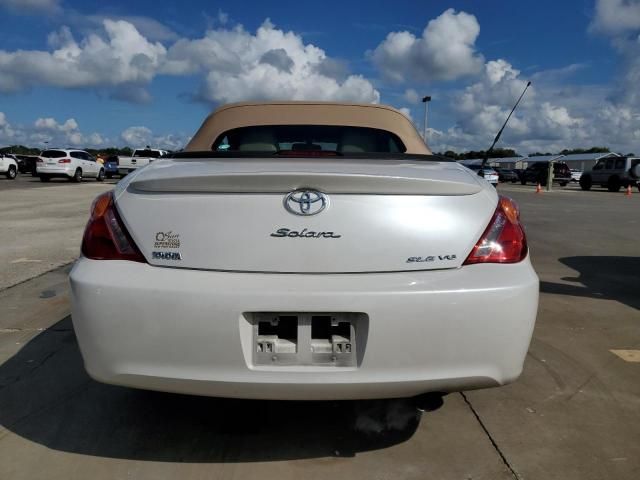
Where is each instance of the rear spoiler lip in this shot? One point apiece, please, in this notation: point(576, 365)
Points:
point(204, 154)
point(282, 183)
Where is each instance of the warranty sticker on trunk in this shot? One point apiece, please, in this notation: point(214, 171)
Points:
point(167, 240)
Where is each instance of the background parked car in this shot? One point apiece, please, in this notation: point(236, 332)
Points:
point(68, 163)
point(537, 172)
point(8, 166)
point(490, 175)
point(507, 175)
point(27, 163)
point(519, 172)
point(110, 164)
point(575, 175)
point(140, 158)
point(612, 173)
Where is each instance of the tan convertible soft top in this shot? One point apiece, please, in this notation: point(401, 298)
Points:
point(246, 114)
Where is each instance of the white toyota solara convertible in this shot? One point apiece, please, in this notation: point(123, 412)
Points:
point(304, 250)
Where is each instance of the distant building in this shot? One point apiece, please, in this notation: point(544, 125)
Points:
point(585, 161)
point(509, 163)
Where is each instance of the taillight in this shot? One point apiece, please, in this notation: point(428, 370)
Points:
point(64, 160)
point(105, 236)
point(504, 240)
point(39, 160)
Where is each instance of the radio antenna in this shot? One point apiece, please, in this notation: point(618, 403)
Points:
point(495, 140)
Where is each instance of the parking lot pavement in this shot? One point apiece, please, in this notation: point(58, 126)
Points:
point(574, 413)
point(42, 224)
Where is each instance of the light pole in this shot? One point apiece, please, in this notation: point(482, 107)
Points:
point(426, 99)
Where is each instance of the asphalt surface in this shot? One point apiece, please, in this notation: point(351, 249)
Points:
point(574, 413)
point(42, 224)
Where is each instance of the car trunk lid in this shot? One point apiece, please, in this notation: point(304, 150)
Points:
point(381, 215)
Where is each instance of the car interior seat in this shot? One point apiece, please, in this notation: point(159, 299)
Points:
point(358, 141)
point(258, 140)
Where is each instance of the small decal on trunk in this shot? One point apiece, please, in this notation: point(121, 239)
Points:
point(167, 240)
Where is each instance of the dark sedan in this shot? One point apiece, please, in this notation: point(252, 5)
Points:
point(537, 172)
point(507, 175)
point(27, 163)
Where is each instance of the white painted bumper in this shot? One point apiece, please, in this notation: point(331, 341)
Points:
point(55, 170)
point(184, 331)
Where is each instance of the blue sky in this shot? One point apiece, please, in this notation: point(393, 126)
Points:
point(116, 73)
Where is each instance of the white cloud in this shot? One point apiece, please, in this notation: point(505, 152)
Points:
point(272, 64)
point(51, 124)
point(616, 16)
point(550, 118)
point(48, 131)
point(120, 58)
point(137, 136)
point(620, 21)
point(31, 6)
point(411, 96)
point(150, 28)
point(65, 133)
point(7, 133)
point(235, 64)
point(482, 107)
point(223, 17)
point(124, 56)
point(140, 136)
point(445, 51)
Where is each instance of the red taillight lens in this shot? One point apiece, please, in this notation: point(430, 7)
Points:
point(64, 160)
point(504, 240)
point(105, 236)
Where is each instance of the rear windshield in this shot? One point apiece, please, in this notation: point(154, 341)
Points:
point(308, 138)
point(53, 154)
point(147, 153)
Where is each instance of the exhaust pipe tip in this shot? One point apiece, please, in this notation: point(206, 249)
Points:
point(429, 402)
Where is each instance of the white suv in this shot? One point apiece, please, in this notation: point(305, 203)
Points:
point(8, 166)
point(68, 163)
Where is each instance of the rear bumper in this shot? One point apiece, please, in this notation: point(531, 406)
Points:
point(492, 180)
point(185, 331)
point(56, 171)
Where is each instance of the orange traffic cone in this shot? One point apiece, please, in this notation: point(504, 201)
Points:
point(538, 189)
point(628, 192)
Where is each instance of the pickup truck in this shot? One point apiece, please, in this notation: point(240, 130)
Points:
point(140, 158)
